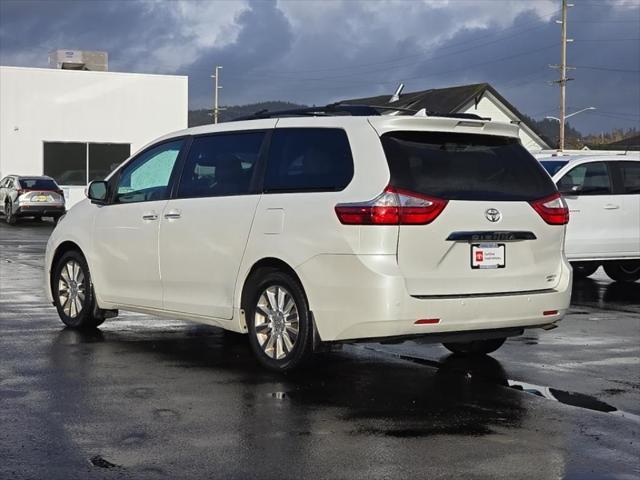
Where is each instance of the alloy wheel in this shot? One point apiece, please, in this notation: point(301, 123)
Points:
point(276, 322)
point(71, 289)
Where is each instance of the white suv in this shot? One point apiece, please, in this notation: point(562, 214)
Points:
point(603, 194)
point(311, 228)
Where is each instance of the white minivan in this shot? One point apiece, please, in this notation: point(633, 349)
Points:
point(603, 194)
point(323, 225)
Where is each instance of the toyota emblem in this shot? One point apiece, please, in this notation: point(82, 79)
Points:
point(493, 214)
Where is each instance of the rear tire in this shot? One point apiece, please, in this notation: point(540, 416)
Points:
point(584, 269)
point(9, 217)
point(278, 320)
point(73, 291)
point(475, 347)
point(624, 271)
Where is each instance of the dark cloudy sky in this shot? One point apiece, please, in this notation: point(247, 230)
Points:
point(319, 51)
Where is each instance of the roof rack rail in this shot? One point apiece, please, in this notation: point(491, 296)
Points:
point(334, 109)
point(326, 111)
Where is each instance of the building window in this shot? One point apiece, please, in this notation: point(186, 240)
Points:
point(78, 163)
point(104, 158)
point(66, 162)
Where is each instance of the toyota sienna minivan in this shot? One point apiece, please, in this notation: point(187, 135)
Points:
point(323, 225)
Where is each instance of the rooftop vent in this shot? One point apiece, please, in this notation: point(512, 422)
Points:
point(79, 60)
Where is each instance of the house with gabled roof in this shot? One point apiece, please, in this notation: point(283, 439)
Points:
point(480, 99)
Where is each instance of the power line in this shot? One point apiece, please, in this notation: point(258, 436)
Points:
point(607, 69)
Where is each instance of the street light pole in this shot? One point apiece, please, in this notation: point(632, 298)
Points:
point(563, 70)
point(216, 89)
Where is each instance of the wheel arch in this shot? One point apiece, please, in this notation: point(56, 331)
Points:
point(270, 263)
point(61, 249)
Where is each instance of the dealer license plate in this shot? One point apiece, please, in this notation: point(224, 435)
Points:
point(487, 255)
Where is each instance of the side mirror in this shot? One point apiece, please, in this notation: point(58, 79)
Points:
point(97, 192)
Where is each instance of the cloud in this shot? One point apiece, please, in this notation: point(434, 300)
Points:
point(319, 51)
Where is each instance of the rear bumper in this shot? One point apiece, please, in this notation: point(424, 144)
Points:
point(31, 210)
point(364, 296)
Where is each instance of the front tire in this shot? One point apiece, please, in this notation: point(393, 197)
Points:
point(624, 271)
point(278, 320)
point(475, 347)
point(73, 292)
point(584, 269)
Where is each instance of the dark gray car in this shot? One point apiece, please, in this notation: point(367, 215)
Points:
point(30, 196)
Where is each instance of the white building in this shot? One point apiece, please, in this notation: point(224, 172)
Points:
point(480, 99)
point(76, 126)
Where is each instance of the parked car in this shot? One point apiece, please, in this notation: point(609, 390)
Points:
point(30, 196)
point(603, 194)
point(318, 228)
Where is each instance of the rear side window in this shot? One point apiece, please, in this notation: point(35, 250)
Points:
point(220, 165)
point(38, 184)
point(630, 176)
point(308, 159)
point(457, 166)
point(586, 179)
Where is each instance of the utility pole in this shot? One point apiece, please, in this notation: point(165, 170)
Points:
point(216, 89)
point(563, 70)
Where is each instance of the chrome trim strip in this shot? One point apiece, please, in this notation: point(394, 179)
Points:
point(491, 236)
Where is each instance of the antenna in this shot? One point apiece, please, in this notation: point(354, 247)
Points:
point(396, 96)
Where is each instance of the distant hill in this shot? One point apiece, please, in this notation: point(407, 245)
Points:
point(204, 117)
point(549, 130)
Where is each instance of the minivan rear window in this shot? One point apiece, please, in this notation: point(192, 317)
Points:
point(458, 166)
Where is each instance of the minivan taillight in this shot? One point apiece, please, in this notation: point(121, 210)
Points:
point(553, 209)
point(392, 207)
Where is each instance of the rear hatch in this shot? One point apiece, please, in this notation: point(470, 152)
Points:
point(39, 190)
point(490, 237)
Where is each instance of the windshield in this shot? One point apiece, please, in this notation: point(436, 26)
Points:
point(38, 184)
point(460, 166)
point(552, 166)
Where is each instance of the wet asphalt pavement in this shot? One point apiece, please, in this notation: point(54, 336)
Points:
point(145, 397)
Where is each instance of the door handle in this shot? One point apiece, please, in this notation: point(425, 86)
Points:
point(611, 206)
point(150, 216)
point(172, 215)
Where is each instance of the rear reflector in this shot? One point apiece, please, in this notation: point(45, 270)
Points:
point(553, 209)
point(392, 207)
point(427, 321)
point(546, 313)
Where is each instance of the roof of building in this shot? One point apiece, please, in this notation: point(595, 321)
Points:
point(446, 100)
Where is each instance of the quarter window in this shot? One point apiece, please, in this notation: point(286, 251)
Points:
point(586, 179)
point(308, 159)
point(147, 177)
point(630, 176)
point(220, 165)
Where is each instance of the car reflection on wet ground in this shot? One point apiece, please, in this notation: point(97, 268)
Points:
point(155, 398)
